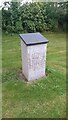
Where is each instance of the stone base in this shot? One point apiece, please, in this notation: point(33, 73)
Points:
point(33, 61)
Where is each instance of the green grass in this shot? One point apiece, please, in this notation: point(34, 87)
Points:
point(44, 98)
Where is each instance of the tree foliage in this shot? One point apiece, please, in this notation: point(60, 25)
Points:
point(33, 17)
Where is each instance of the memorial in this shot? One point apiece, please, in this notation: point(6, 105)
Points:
point(33, 51)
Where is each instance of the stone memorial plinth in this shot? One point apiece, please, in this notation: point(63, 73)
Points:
point(33, 49)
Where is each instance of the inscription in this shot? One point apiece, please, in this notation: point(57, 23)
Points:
point(36, 61)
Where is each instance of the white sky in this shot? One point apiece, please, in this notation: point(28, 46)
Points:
point(2, 1)
point(23, 1)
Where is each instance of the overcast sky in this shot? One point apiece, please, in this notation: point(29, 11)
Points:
point(2, 1)
point(23, 1)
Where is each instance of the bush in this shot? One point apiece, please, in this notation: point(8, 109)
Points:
point(18, 27)
point(35, 17)
point(29, 26)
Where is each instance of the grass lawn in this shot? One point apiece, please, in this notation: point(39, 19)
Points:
point(45, 98)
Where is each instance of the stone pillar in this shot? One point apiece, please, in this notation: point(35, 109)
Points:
point(33, 49)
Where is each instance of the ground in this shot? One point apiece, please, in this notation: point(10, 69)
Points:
point(45, 98)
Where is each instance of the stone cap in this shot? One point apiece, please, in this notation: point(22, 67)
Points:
point(33, 38)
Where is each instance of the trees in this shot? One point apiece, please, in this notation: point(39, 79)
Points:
point(11, 21)
point(32, 17)
point(51, 16)
point(62, 16)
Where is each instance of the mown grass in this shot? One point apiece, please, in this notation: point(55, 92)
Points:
point(44, 98)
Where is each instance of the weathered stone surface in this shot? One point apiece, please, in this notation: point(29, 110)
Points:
point(33, 60)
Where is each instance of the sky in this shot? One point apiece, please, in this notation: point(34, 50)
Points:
point(23, 1)
point(2, 1)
